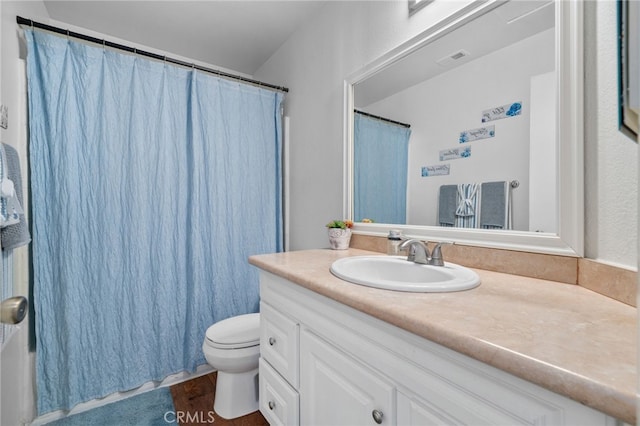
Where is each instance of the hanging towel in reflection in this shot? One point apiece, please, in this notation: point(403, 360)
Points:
point(468, 205)
point(14, 234)
point(495, 209)
point(447, 201)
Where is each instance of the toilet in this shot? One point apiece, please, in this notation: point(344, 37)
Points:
point(232, 346)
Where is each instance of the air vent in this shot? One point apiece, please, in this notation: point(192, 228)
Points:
point(455, 56)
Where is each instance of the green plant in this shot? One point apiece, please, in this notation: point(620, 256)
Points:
point(343, 224)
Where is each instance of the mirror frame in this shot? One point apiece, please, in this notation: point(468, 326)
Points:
point(569, 241)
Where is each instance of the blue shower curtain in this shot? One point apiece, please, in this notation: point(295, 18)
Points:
point(151, 185)
point(380, 170)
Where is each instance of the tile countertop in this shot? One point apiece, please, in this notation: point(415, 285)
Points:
point(562, 337)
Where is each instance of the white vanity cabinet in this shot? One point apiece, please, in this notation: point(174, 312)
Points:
point(323, 363)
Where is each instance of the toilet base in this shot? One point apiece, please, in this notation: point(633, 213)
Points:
point(236, 394)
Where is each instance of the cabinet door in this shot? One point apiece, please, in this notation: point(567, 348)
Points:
point(337, 390)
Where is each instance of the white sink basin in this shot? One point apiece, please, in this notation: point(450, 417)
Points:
point(396, 273)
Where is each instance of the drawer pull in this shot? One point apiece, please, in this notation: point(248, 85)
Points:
point(377, 416)
point(272, 341)
point(272, 405)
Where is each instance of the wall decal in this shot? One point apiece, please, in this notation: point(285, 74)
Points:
point(476, 134)
point(439, 170)
point(504, 111)
point(455, 153)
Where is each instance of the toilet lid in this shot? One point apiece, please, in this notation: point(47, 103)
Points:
point(237, 332)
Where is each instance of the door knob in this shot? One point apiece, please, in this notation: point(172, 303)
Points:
point(13, 310)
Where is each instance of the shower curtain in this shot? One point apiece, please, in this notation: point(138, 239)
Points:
point(380, 170)
point(151, 185)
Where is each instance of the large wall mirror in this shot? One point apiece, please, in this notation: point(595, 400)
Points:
point(629, 67)
point(472, 131)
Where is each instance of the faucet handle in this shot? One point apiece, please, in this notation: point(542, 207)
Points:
point(436, 253)
point(417, 250)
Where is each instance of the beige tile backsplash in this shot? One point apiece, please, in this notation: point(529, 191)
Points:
point(614, 282)
point(617, 283)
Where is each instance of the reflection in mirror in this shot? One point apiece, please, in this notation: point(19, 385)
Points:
point(443, 83)
point(380, 168)
point(629, 66)
point(481, 150)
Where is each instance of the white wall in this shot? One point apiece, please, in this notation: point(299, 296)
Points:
point(442, 107)
point(611, 159)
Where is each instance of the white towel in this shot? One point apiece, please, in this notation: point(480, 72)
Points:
point(468, 211)
point(14, 236)
point(467, 205)
point(10, 208)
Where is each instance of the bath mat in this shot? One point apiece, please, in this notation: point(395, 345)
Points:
point(147, 409)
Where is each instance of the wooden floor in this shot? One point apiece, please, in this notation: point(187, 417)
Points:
point(193, 401)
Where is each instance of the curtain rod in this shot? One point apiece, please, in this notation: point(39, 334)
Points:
point(408, 126)
point(33, 24)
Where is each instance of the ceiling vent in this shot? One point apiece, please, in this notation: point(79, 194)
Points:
point(455, 56)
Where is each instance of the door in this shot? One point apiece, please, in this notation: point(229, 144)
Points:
point(335, 389)
point(17, 402)
point(14, 333)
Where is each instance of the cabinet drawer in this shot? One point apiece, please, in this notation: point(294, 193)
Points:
point(279, 342)
point(278, 400)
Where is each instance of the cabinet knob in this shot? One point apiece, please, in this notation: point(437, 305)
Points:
point(377, 416)
point(272, 341)
point(272, 405)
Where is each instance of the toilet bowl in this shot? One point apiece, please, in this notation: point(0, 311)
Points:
point(232, 346)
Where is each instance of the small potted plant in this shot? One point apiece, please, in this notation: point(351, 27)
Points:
point(339, 234)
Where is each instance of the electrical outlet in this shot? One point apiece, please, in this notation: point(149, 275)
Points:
point(4, 116)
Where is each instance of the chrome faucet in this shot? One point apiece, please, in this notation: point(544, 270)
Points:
point(419, 252)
